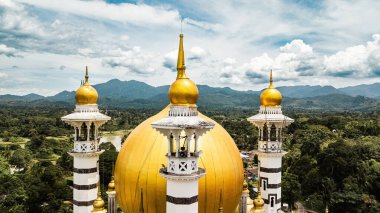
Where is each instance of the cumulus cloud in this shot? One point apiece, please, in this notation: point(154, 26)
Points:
point(135, 61)
point(357, 61)
point(196, 54)
point(7, 51)
point(137, 14)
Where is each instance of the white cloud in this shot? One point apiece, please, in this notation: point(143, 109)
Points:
point(140, 14)
point(8, 51)
point(135, 61)
point(357, 61)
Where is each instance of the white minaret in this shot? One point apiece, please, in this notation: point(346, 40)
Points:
point(183, 129)
point(270, 122)
point(86, 120)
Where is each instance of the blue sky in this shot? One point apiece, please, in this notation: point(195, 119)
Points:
point(45, 45)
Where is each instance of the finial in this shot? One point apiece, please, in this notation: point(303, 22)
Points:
point(221, 202)
point(181, 59)
point(141, 210)
point(86, 76)
point(270, 79)
point(111, 184)
point(99, 202)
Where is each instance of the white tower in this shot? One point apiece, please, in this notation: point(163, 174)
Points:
point(86, 120)
point(270, 122)
point(183, 129)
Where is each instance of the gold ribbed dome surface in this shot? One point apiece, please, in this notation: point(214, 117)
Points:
point(143, 153)
point(271, 96)
point(86, 94)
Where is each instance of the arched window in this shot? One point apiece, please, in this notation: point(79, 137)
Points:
point(83, 132)
point(273, 133)
point(272, 202)
point(92, 132)
point(77, 134)
point(265, 132)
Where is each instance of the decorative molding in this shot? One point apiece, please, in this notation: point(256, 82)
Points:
point(270, 170)
point(85, 171)
point(85, 187)
point(83, 203)
point(274, 186)
point(182, 200)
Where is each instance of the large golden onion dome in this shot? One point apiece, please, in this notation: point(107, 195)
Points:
point(271, 96)
point(183, 91)
point(143, 154)
point(86, 94)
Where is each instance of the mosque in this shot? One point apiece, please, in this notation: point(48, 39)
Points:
point(179, 160)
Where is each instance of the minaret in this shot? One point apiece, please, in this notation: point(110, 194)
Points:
point(183, 129)
point(86, 120)
point(111, 196)
point(270, 122)
point(243, 199)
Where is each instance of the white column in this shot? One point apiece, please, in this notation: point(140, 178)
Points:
point(182, 196)
point(111, 202)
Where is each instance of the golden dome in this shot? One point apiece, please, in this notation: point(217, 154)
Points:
point(258, 201)
point(271, 96)
point(143, 154)
point(86, 94)
point(183, 91)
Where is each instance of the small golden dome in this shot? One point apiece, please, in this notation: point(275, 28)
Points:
point(111, 185)
point(183, 91)
point(271, 96)
point(86, 94)
point(258, 202)
point(99, 203)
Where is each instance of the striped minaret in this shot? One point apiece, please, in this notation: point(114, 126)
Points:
point(183, 129)
point(86, 120)
point(270, 122)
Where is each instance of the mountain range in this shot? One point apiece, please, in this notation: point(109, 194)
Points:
point(135, 94)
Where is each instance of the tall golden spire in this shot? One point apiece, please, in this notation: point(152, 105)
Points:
point(181, 68)
point(220, 202)
point(271, 80)
point(99, 203)
point(183, 91)
point(86, 76)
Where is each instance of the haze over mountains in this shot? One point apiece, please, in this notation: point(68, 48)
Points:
point(135, 94)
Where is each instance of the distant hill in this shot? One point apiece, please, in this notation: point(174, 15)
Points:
point(135, 94)
point(367, 90)
point(308, 91)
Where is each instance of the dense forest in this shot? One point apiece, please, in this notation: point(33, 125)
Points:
point(333, 159)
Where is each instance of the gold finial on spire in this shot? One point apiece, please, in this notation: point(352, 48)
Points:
point(181, 59)
point(258, 202)
point(271, 96)
point(99, 202)
point(220, 202)
point(86, 94)
point(86, 76)
point(111, 184)
point(270, 80)
point(141, 210)
point(183, 91)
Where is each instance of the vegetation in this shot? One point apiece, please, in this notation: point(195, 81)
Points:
point(333, 159)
